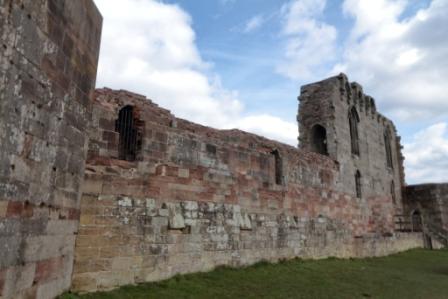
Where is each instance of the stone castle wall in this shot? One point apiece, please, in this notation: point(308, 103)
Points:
point(48, 60)
point(197, 197)
point(187, 198)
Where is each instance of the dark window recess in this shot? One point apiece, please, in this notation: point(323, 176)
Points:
point(211, 149)
point(392, 192)
point(388, 149)
point(358, 184)
point(130, 141)
point(417, 221)
point(353, 120)
point(278, 167)
point(319, 143)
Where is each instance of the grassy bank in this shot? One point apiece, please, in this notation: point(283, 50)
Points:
point(414, 274)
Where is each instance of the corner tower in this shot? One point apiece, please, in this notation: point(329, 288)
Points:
point(48, 62)
point(337, 119)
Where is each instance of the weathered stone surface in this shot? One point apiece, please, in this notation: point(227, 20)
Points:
point(328, 103)
point(190, 197)
point(176, 218)
point(44, 90)
point(197, 197)
point(428, 205)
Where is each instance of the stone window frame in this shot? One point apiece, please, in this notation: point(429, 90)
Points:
point(388, 149)
point(353, 121)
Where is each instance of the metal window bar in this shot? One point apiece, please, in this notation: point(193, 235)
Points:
point(128, 134)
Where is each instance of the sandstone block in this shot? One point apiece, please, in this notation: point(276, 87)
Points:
point(176, 218)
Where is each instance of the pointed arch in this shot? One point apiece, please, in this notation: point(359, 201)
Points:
point(353, 119)
point(388, 149)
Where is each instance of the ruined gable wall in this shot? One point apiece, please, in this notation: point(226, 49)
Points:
point(432, 202)
point(328, 103)
point(198, 197)
point(48, 60)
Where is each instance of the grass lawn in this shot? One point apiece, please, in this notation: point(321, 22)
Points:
point(413, 274)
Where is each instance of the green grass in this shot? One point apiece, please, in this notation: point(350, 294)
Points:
point(413, 274)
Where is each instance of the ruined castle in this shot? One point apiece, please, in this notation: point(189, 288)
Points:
point(103, 188)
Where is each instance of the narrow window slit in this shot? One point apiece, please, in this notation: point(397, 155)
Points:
point(278, 167)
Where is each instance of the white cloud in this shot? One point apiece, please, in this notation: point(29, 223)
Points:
point(267, 125)
point(310, 43)
point(149, 47)
point(254, 23)
point(401, 61)
point(427, 155)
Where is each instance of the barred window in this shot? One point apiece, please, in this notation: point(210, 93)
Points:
point(130, 137)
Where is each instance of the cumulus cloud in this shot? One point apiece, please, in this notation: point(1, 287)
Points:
point(399, 56)
point(149, 47)
point(427, 155)
point(254, 23)
point(401, 60)
point(267, 125)
point(310, 43)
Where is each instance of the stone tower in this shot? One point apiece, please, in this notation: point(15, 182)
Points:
point(337, 119)
point(48, 62)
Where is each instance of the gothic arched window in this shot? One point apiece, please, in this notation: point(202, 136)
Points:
point(353, 120)
point(388, 149)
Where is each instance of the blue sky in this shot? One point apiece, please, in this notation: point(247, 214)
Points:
point(240, 63)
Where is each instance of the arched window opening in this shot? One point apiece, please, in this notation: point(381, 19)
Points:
point(358, 184)
point(417, 222)
point(130, 137)
point(353, 120)
point(278, 167)
point(392, 192)
point(388, 149)
point(319, 140)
